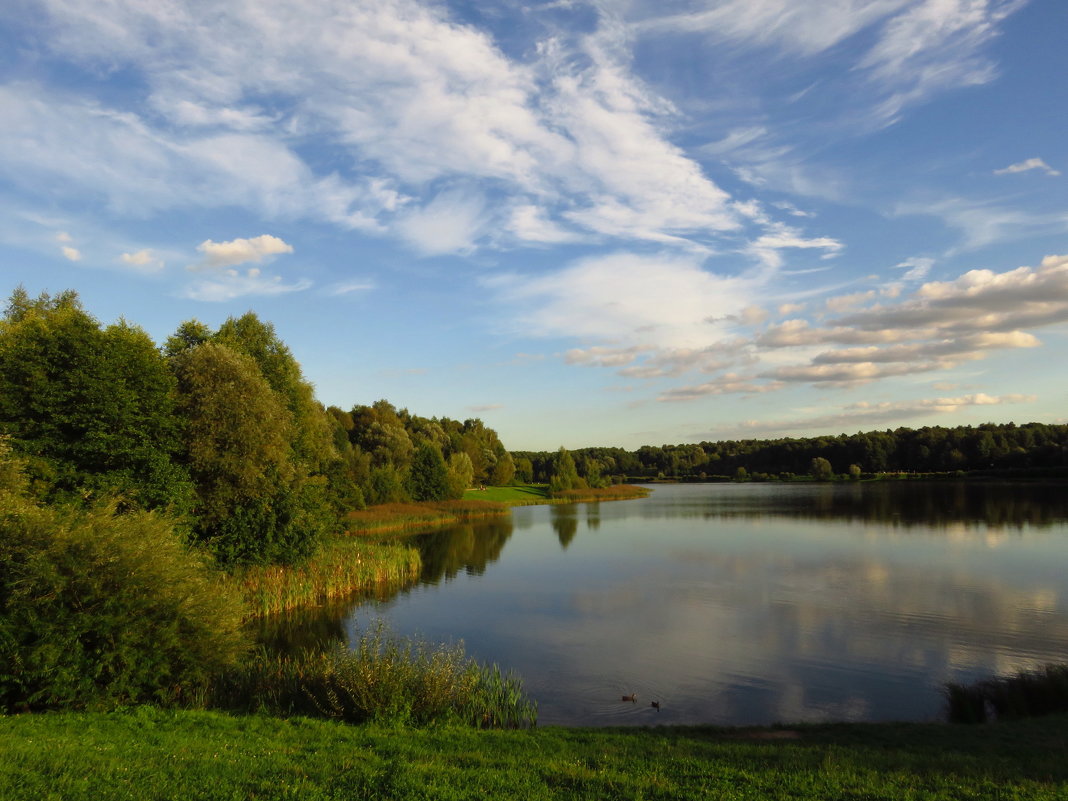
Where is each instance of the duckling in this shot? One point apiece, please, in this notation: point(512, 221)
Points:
point(655, 705)
point(633, 698)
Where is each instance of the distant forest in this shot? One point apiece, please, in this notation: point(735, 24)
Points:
point(1031, 447)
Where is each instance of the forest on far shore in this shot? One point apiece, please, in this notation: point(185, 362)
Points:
point(1001, 448)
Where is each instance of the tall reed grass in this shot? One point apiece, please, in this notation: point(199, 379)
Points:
point(342, 566)
point(394, 517)
point(1026, 694)
point(384, 679)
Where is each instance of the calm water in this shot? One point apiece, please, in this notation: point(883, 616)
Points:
point(747, 604)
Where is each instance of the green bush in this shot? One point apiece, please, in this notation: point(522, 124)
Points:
point(99, 610)
point(382, 679)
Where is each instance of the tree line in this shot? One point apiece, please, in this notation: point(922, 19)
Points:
point(217, 428)
point(931, 449)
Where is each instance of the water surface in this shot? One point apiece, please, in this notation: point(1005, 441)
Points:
point(742, 604)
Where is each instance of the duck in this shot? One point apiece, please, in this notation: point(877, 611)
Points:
point(655, 705)
point(633, 698)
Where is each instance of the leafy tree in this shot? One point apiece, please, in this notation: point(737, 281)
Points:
point(92, 407)
point(503, 470)
point(249, 491)
point(821, 469)
point(459, 474)
point(428, 476)
point(565, 475)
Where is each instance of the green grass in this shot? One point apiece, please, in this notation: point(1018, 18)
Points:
point(531, 494)
point(520, 495)
point(195, 756)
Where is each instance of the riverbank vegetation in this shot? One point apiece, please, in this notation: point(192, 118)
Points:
point(153, 498)
point(398, 517)
point(379, 678)
point(152, 753)
point(1029, 693)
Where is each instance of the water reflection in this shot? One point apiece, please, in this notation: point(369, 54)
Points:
point(468, 547)
point(564, 520)
point(741, 604)
point(902, 503)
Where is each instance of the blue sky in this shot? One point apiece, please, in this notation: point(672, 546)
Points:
point(588, 223)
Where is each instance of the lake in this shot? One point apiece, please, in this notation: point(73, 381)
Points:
point(739, 604)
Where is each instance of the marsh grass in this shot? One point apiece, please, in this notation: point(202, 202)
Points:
point(1029, 693)
point(395, 517)
point(383, 679)
point(342, 566)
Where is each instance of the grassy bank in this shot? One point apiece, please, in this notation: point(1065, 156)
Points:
point(531, 494)
point(342, 566)
point(151, 754)
point(395, 517)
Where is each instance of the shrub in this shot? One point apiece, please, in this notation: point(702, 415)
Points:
point(383, 679)
point(99, 610)
point(1026, 694)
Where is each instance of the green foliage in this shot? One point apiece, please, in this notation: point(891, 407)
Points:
point(94, 407)
point(820, 469)
point(99, 610)
point(385, 485)
point(564, 476)
point(459, 475)
point(427, 476)
point(382, 679)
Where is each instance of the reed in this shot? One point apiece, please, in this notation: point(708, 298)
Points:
point(616, 492)
point(342, 566)
point(1029, 693)
point(394, 517)
point(382, 678)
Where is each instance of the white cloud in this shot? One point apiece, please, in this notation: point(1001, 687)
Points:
point(231, 284)
point(241, 251)
point(410, 97)
point(858, 415)
point(449, 223)
point(663, 301)
point(70, 253)
point(63, 236)
point(348, 287)
point(142, 261)
point(1029, 164)
point(727, 384)
point(916, 267)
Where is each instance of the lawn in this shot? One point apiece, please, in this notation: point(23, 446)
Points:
point(146, 753)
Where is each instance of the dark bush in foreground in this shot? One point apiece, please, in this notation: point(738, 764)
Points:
point(382, 679)
point(1025, 694)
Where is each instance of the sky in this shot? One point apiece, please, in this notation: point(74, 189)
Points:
point(587, 222)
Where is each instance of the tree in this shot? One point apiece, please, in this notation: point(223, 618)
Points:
point(254, 504)
point(93, 408)
point(821, 469)
point(565, 475)
point(460, 473)
point(427, 477)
